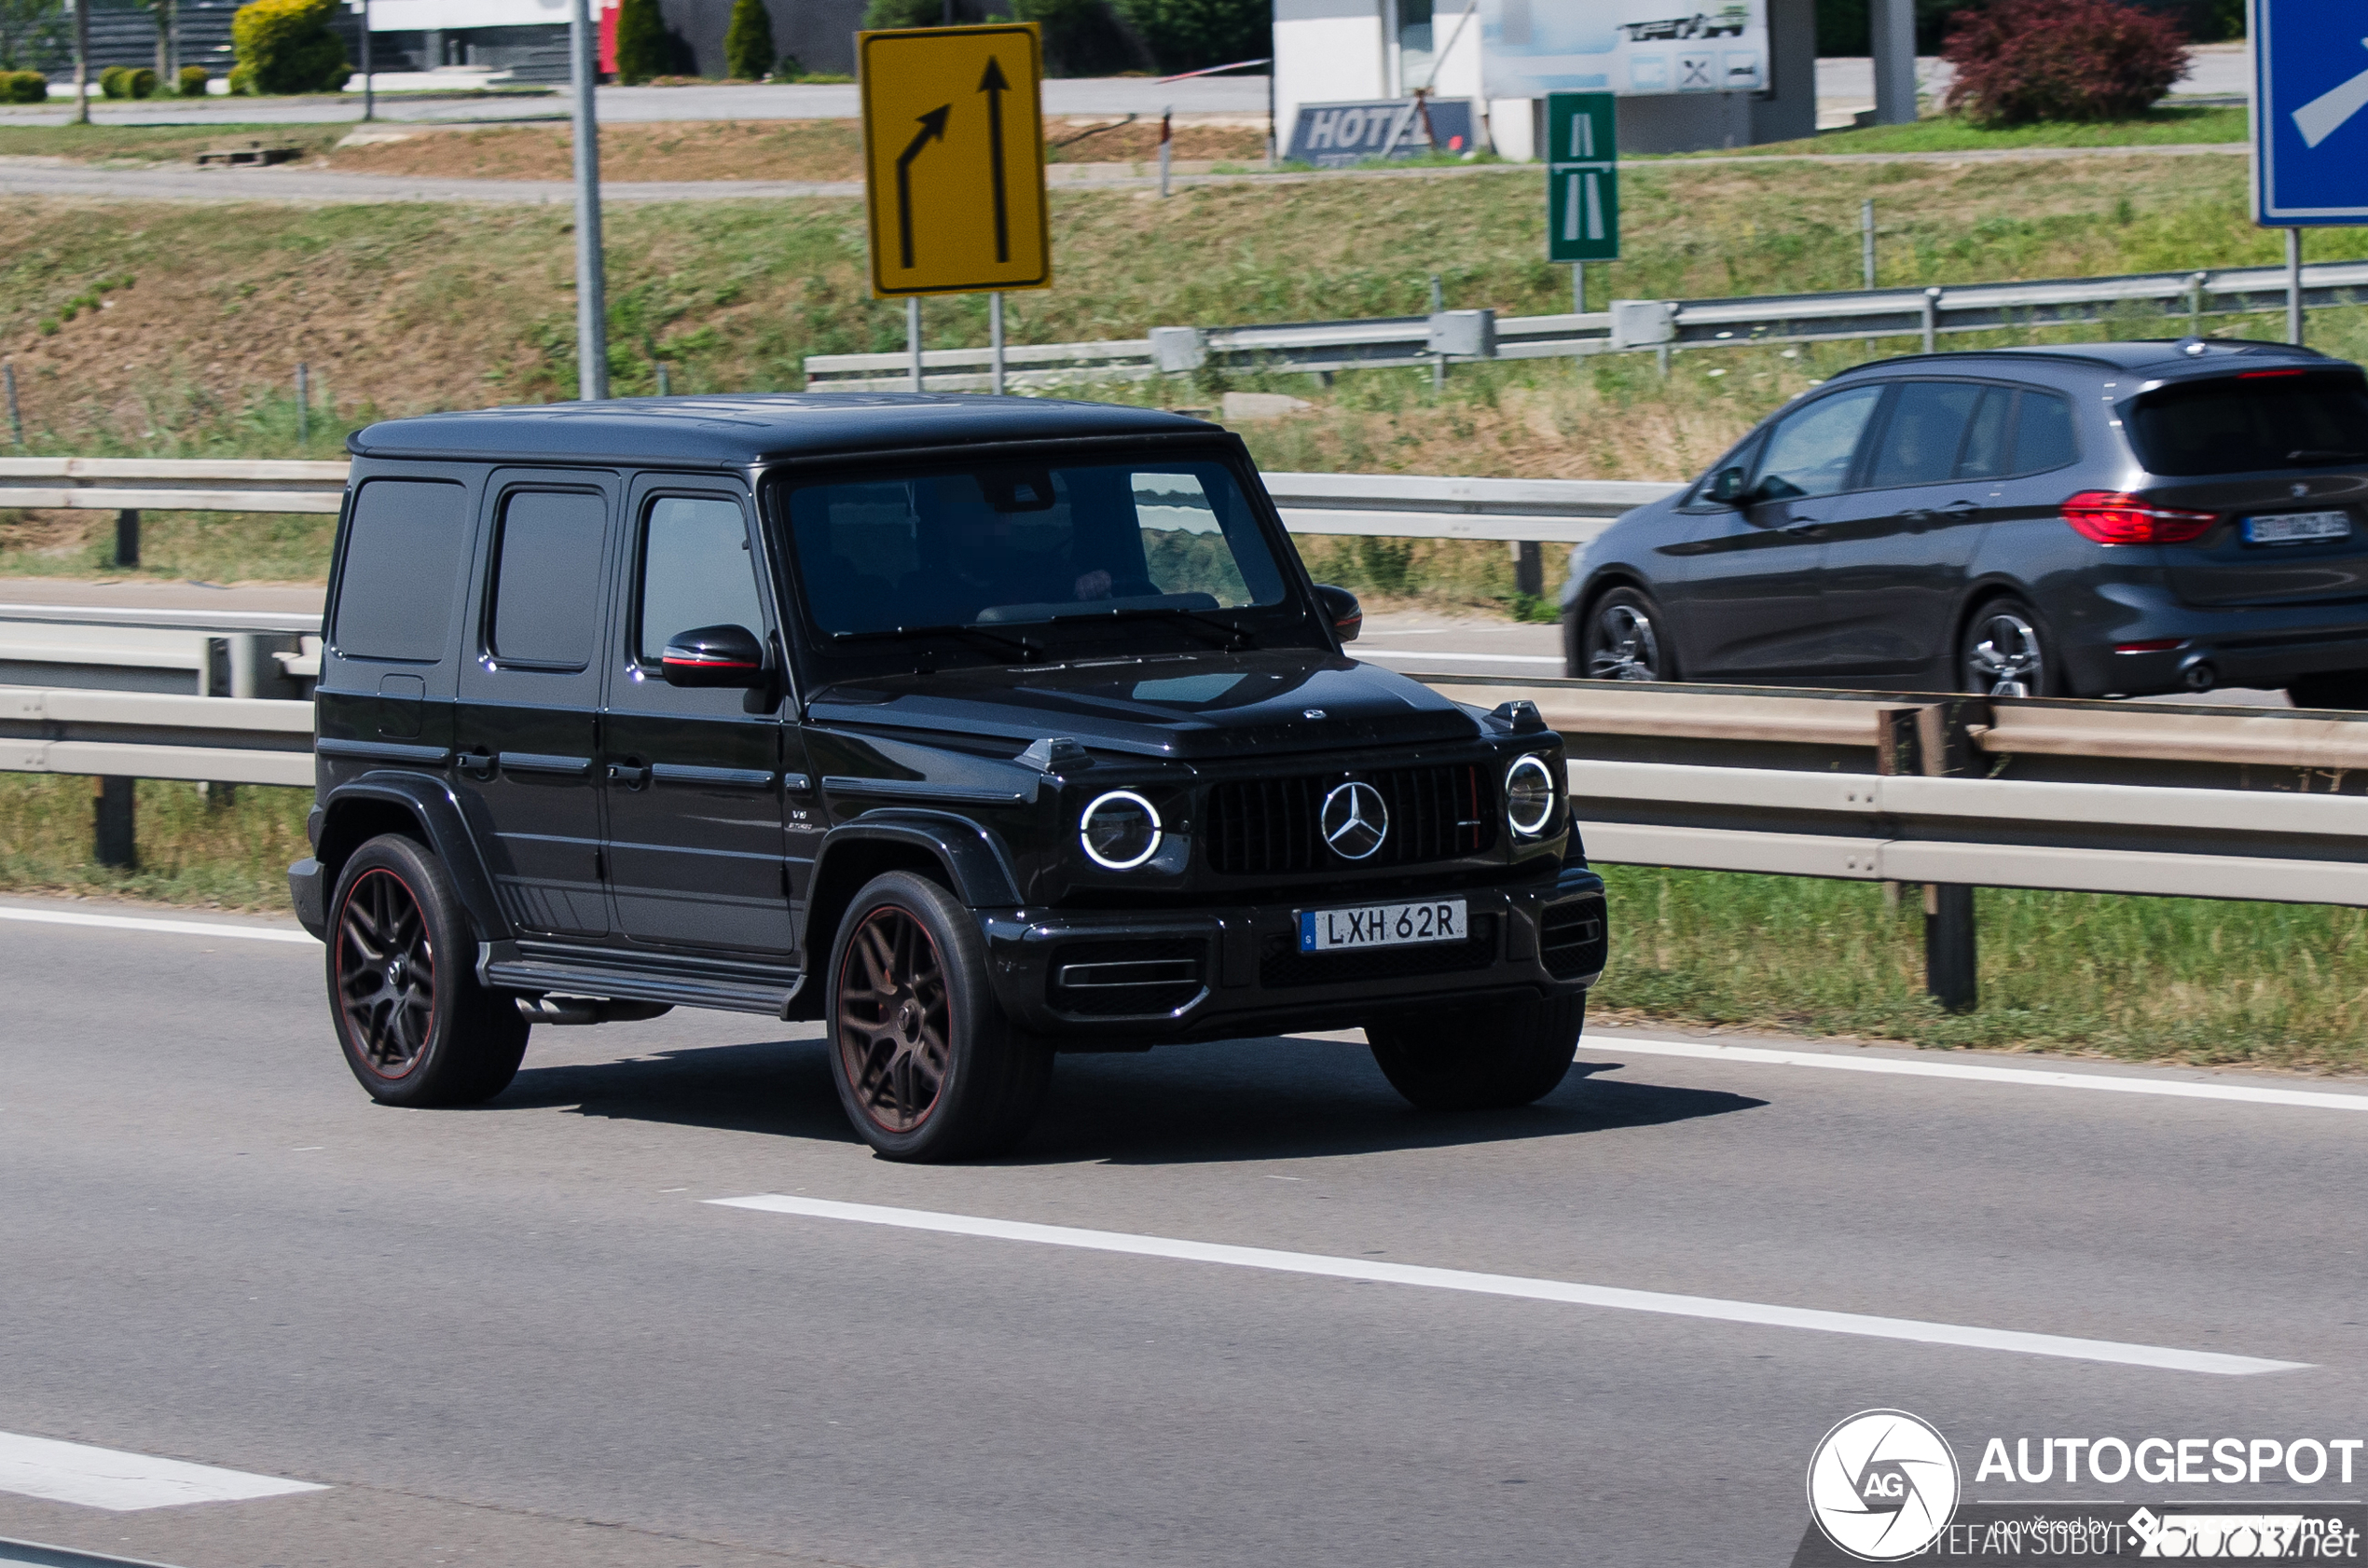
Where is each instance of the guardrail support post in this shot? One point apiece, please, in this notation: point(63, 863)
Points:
point(1951, 955)
point(2293, 286)
point(1932, 317)
point(1529, 568)
point(127, 538)
point(912, 335)
point(112, 842)
point(16, 420)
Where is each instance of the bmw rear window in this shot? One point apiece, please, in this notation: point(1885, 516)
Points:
point(2254, 421)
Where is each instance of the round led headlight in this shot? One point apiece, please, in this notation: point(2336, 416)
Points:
point(1529, 795)
point(1120, 829)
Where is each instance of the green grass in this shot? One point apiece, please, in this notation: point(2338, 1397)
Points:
point(2162, 127)
point(2186, 979)
point(166, 144)
point(228, 853)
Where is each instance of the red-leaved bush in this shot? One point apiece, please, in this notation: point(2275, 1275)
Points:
point(2019, 61)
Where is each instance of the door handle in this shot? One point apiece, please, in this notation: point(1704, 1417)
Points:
point(632, 776)
point(1800, 527)
point(1960, 508)
point(476, 764)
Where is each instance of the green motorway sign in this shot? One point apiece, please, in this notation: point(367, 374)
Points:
point(1582, 177)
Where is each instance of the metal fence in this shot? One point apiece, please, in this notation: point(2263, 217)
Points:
point(2160, 302)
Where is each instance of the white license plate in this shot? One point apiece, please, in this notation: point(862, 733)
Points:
point(2293, 527)
point(1383, 925)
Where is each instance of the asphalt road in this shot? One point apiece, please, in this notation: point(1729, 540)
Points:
point(524, 1335)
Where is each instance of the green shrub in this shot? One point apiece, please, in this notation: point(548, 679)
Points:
point(748, 42)
point(1082, 38)
point(641, 42)
point(884, 15)
point(241, 81)
point(193, 80)
point(1195, 34)
point(285, 46)
point(112, 82)
point(790, 69)
point(140, 82)
point(23, 86)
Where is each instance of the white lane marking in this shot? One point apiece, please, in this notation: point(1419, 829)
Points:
point(167, 928)
point(1443, 653)
point(2029, 1077)
point(2162, 1356)
point(110, 1479)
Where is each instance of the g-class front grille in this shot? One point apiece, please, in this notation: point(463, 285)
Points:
point(1266, 826)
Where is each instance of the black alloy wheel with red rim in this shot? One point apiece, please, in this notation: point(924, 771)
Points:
point(415, 1026)
point(894, 1020)
point(926, 1064)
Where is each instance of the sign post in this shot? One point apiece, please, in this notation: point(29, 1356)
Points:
point(1582, 182)
point(954, 165)
point(2311, 140)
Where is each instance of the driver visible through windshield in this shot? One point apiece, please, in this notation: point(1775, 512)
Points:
point(1012, 546)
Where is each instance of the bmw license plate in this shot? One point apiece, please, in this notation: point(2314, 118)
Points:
point(1383, 925)
point(2295, 527)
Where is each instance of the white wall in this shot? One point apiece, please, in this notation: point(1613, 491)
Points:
point(1326, 52)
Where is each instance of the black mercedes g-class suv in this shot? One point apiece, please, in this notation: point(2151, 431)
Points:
point(980, 728)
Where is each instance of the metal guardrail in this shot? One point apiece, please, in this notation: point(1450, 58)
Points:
point(1630, 325)
point(1409, 505)
point(144, 735)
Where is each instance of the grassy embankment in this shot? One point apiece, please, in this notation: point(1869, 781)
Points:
point(411, 308)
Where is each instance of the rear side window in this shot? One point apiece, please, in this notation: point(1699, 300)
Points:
point(2042, 433)
point(546, 578)
point(403, 550)
point(1984, 455)
point(1921, 439)
point(696, 571)
point(2251, 422)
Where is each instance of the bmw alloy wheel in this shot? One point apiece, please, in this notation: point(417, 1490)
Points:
point(1626, 645)
point(2003, 656)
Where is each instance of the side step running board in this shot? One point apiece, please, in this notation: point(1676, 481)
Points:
point(680, 990)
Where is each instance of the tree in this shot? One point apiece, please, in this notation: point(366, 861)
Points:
point(1082, 38)
point(285, 46)
point(748, 42)
point(642, 48)
point(1193, 35)
point(29, 32)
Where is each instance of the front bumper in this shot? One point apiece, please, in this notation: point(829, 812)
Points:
point(1228, 972)
point(307, 892)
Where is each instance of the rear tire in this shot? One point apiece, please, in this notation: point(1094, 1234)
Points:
point(2333, 688)
point(2005, 652)
point(416, 1028)
point(1492, 1060)
point(928, 1066)
point(1624, 637)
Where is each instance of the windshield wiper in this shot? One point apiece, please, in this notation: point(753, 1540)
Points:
point(1218, 634)
point(1029, 652)
point(2321, 454)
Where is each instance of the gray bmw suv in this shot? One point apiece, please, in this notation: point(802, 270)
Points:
point(2109, 520)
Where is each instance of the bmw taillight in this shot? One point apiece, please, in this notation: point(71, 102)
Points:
point(2119, 518)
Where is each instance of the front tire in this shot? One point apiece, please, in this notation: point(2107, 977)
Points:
point(1624, 637)
point(2006, 652)
point(928, 1066)
point(416, 1028)
point(1492, 1060)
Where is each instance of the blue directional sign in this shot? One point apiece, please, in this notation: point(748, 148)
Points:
point(2310, 135)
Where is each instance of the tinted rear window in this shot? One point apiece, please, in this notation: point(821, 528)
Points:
point(404, 551)
point(2242, 424)
point(2042, 433)
point(546, 579)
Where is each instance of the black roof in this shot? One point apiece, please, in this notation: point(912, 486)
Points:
point(2161, 357)
point(737, 430)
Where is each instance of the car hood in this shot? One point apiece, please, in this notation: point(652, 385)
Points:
point(1271, 701)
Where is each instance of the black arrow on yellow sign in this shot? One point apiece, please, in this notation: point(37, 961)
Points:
point(932, 129)
point(994, 87)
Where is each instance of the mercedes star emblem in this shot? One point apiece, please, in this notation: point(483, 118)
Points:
point(1355, 821)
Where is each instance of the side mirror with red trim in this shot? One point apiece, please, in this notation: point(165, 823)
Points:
point(1341, 608)
point(729, 656)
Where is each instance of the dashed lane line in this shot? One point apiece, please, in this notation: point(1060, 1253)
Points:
point(164, 927)
point(2163, 1357)
point(124, 1482)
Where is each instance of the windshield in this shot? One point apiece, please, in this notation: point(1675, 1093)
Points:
point(2242, 424)
point(1016, 546)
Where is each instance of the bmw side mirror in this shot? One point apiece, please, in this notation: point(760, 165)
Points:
point(729, 656)
point(1726, 486)
point(1341, 608)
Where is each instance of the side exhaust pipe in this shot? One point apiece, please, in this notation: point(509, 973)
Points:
point(589, 1010)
